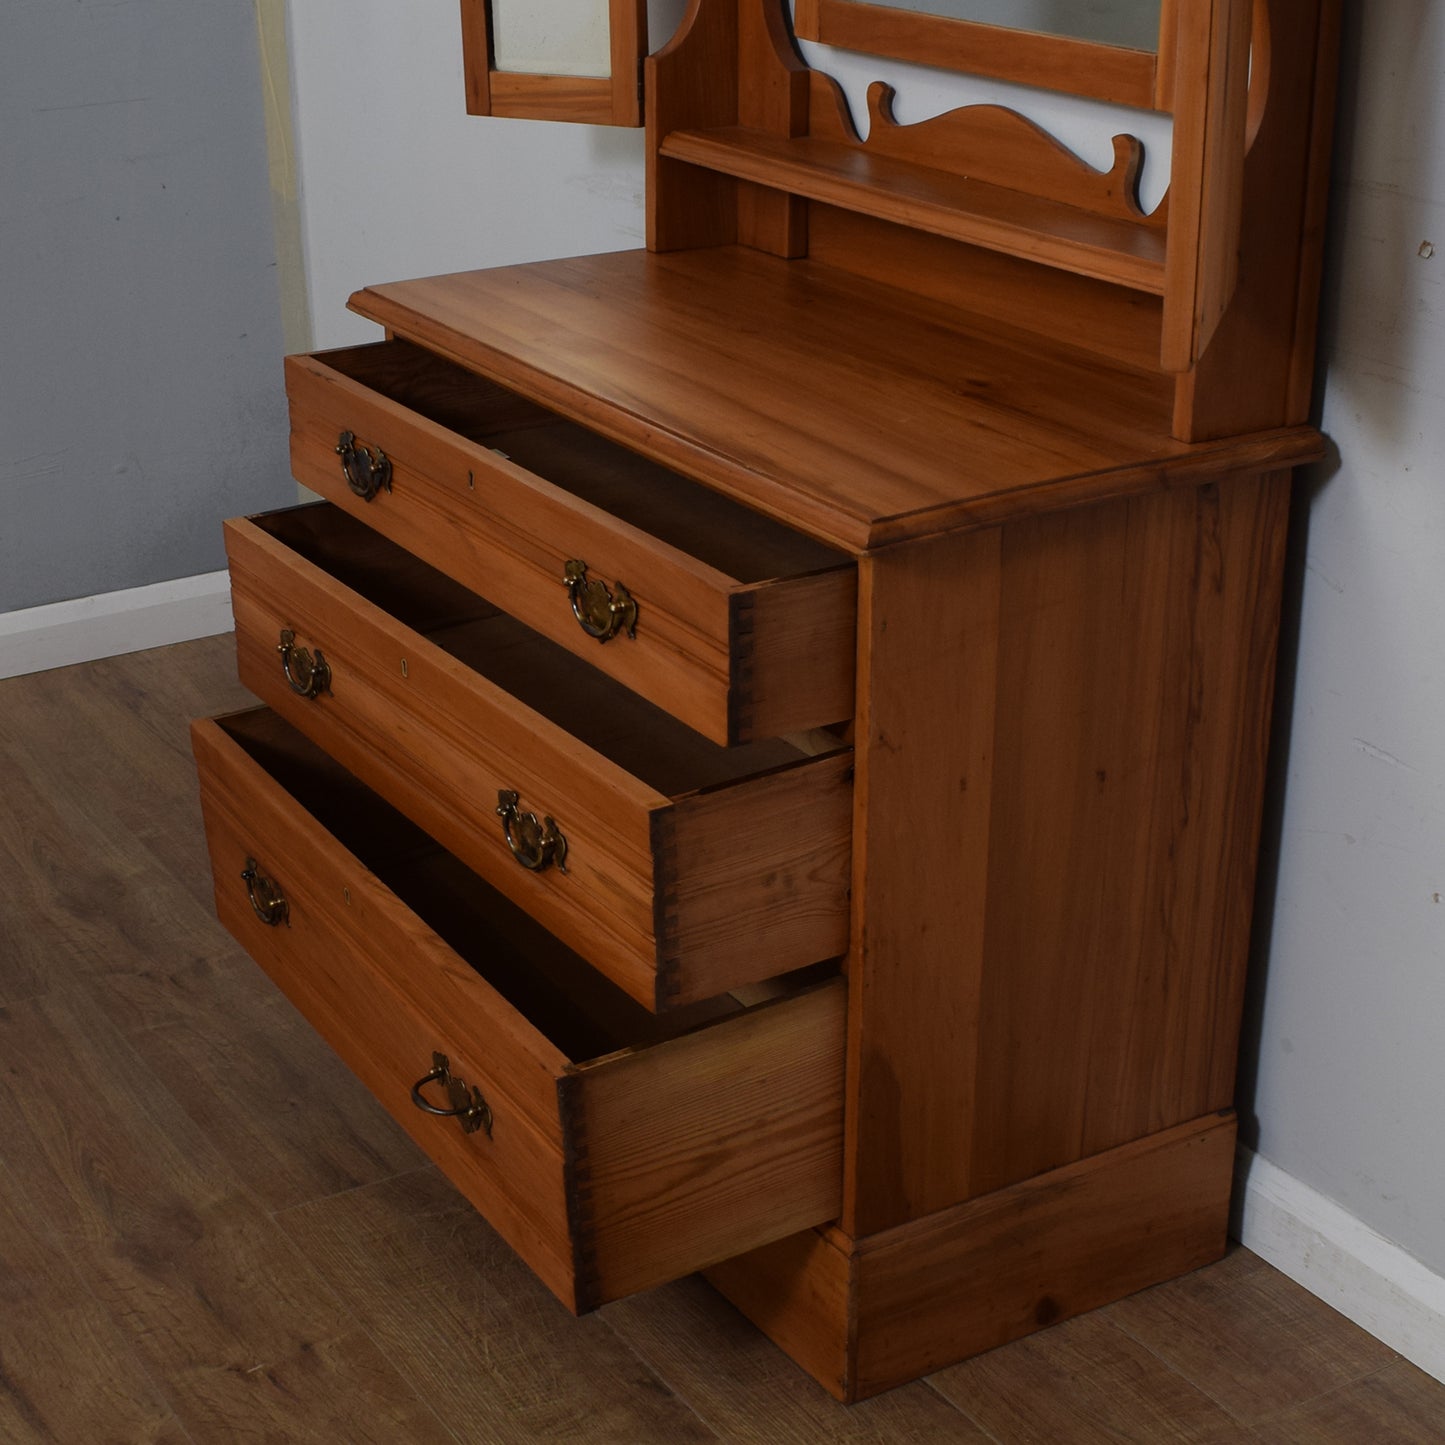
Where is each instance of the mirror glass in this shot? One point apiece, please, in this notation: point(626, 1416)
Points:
point(552, 37)
point(1133, 24)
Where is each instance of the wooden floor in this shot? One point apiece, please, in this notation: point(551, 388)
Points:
point(210, 1233)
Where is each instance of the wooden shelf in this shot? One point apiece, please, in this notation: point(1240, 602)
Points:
point(927, 199)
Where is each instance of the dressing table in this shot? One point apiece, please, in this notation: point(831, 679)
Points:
point(765, 734)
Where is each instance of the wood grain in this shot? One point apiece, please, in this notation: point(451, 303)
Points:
point(737, 896)
point(628, 25)
point(267, 1092)
point(740, 369)
point(692, 82)
point(1040, 1252)
point(1013, 295)
point(1255, 1342)
point(762, 1398)
point(1132, 764)
point(707, 1145)
point(1087, 1382)
point(609, 1174)
point(442, 737)
point(1260, 369)
point(1398, 1403)
point(800, 1292)
point(68, 1372)
point(921, 865)
point(82, 844)
point(1059, 969)
point(230, 1324)
point(994, 144)
point(1100, 72)
point(793, 645)
point(497, 1358)
point(1206, 179)
point(477, 55)
point(612, 99)
point(959, 207)
point(501, 496)
point(773, 98)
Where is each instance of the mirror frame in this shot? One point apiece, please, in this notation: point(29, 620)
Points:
point(1111, 73)
point(614, 99)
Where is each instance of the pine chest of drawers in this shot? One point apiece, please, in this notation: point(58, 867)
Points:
point(765, 736)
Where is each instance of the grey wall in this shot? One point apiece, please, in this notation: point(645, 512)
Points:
point(140, 337)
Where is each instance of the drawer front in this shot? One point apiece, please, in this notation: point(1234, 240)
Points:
point(734, 657)
point(673, 898)
point(608, 1175)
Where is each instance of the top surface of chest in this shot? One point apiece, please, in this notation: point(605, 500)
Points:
point(851, 410)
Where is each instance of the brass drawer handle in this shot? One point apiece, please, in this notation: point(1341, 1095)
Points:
point(366, 471)
point(266, 900)
point(468, 1105)
point(309, 676)
point(603, 613)
point(534, 845)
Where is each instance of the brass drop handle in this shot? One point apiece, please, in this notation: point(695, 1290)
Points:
point(602, 611)
point(535, 845)
point(366, 471)
point(266, 899)
point(467, 1104)
point(309, 676)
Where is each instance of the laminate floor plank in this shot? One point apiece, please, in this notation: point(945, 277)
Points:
point(290, 1119)
point(57, 890)
point(1251, 1339)
point(70, 875)
point(498, 1358)
point(67, 1372)
point(109, 742)
point(1399, 1404)
point(749, 1392)
point(242, 1339)
point(1086, 1382)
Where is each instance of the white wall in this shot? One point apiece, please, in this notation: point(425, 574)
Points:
point(1350, 1087)
point(1344, 1070)
point(398, 181)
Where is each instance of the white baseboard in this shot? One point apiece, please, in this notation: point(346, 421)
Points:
point(36, 639)
point(1343, 1261)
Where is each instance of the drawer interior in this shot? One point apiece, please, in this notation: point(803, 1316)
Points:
point(705, 524)
point(575, 1007)
point(609, 718)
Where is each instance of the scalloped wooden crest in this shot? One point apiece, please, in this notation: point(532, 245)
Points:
point(999, 146)
point(988, 143)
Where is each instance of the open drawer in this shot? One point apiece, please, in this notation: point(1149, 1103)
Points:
point(613, 1149)
point(732, 622)
point(679, 868)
